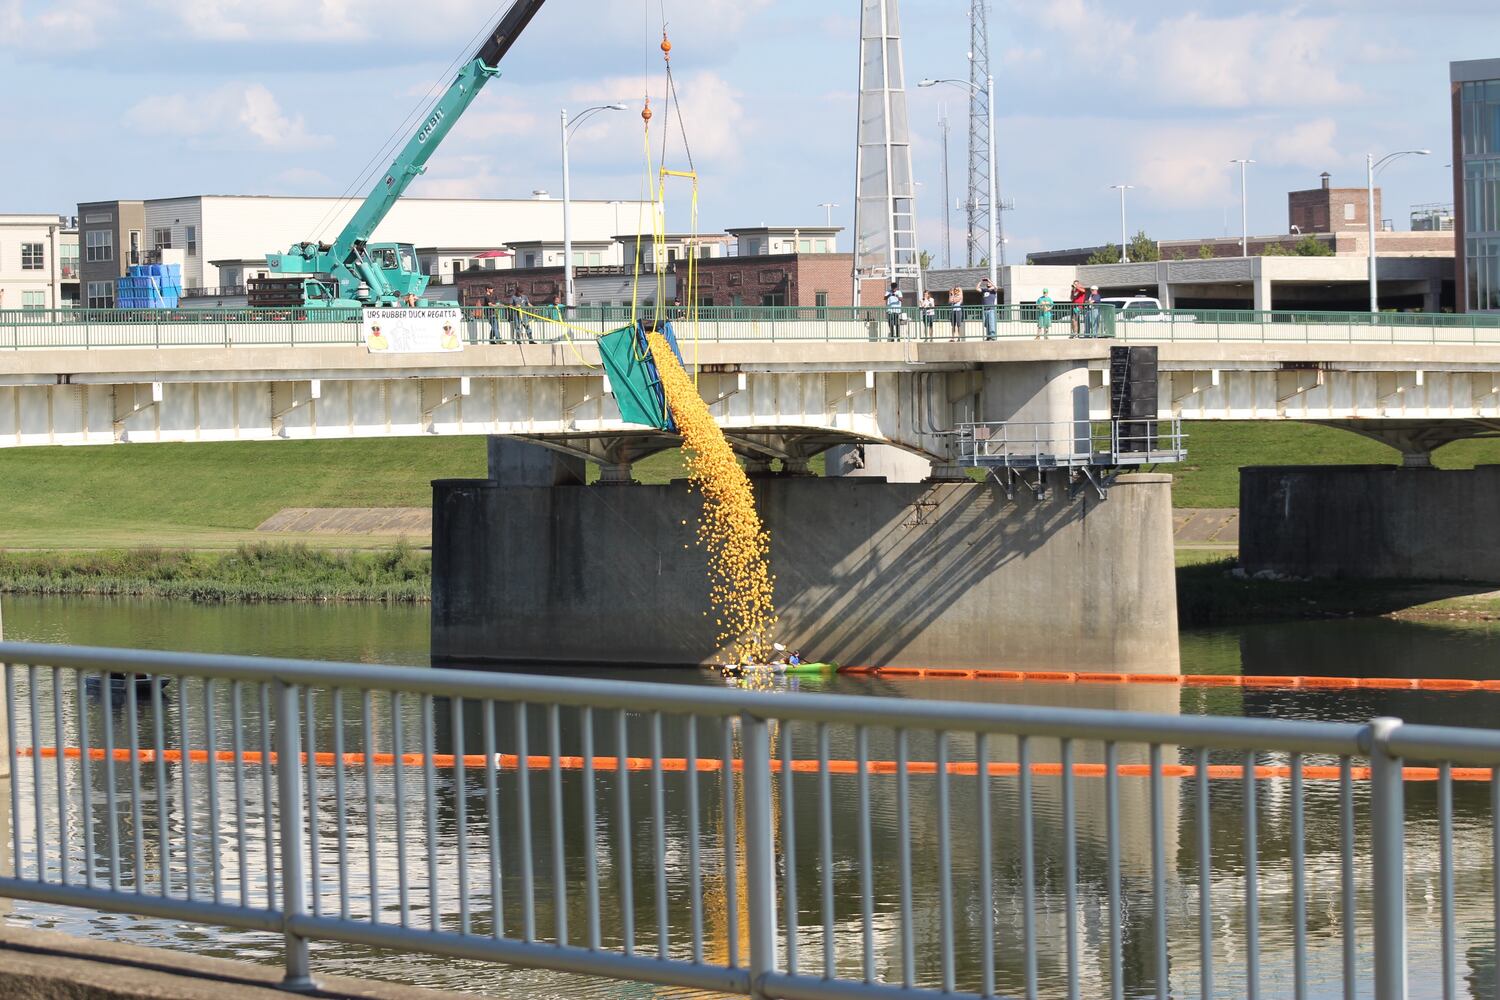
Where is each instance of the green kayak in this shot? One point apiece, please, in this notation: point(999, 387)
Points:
point(738, 670)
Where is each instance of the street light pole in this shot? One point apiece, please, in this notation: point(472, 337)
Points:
point(995, 238)
point(566, 129)
point(997, 241)
point(828, 206)
point(567, 222)
point(1373, 166)
point(1124, 253)
point(1244, 210)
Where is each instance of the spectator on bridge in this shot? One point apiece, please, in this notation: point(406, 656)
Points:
point(519, 322)
point(956, 311)
point(1092, 319)
point(1077, 295)
point(488, 310)
point(893, 311)
point(989, 295)
point(929, 313)
point(1043, 315)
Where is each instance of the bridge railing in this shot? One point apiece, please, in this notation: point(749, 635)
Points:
point(1304, 326)
point(42, 329)
point(780, 845)
point(38, 329)
point(1065, 444)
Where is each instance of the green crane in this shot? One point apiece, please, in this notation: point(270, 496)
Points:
point(353, 272)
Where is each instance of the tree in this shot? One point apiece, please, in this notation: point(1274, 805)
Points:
point(1143, 248)
point(1107, 254)
point(1277, 249)
point(1180, 255)
point(925, 259)
point(1205, 252)
point(1311, 246)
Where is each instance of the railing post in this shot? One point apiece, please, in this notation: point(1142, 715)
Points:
point(1388, 860)
point(760, 863)
point(289, 831)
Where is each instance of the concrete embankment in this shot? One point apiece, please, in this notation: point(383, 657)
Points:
point(50, 965)
point(1371, 522)
point(867, 572)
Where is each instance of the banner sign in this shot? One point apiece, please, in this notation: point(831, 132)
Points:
point(413, 331)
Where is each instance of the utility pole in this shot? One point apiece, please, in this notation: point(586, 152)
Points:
point(1124, 252)
point(1244, 210)
point(947, 198)
point(981, 132)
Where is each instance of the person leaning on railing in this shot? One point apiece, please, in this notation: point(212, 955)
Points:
point(1076, 295)
point(956, 311)
point(929, 313)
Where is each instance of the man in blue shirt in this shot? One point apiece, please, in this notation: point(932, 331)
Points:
point(893, 311)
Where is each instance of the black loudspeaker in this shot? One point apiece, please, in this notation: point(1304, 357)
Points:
point(1133, 397)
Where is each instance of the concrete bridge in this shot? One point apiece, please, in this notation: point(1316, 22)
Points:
point(784, 384)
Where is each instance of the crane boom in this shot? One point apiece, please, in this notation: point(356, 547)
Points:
point(350, 271)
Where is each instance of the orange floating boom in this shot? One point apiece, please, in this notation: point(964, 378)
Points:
point(541, 762)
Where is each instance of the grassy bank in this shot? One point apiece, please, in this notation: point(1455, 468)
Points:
point(213, 495)
point(249, 573)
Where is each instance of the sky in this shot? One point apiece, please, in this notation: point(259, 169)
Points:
point(158, 98)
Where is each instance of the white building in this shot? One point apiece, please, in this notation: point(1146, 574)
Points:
point(761, 241)
point(226, 237)
point(38, 262)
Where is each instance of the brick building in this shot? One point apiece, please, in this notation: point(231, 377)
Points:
point(1328, 209)
point(789, 279)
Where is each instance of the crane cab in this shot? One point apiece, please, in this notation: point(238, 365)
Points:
point(391, 272)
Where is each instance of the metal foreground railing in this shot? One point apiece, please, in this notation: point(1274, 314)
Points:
point(800, 846)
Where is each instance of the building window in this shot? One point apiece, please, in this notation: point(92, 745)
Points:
point(99, 245)
point(531, 260)
point(671, 255)
point(595, 259)
point(135, 247)
point(804, 246)
point(101, 294)
point(1479, 118)
point(773, 299)
point(192, 240)
point(705, 252)
point(161, 239)
point(32, 257)
point(98, 217)
point(68, 260)
point(33, 300)
point(822, 246)
point(1348, 211)
point(820, 299)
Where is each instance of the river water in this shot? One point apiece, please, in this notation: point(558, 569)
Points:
point(1345, 647)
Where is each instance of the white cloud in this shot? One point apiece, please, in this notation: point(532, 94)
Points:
point(1255, 60)
point(234, 115)
point(1310, 144)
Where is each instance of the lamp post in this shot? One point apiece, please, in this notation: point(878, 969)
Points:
point(1372, 167)
point(1122, 188)
point(989, 91)
point(1244, 210)
point(567, 130)
point(828, 206)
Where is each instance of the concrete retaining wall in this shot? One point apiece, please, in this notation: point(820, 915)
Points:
point(1371, 522)
point(871, 573)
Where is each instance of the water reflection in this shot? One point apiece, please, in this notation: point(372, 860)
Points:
point(695, 840)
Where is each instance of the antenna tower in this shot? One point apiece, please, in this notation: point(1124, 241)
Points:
point(977, 204)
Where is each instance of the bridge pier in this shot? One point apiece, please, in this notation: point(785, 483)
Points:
point(936, 574)
point(1371, 522)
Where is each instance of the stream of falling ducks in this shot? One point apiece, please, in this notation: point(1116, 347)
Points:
point(729, 529)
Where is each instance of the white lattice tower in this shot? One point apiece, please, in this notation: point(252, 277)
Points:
point(885, 205)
